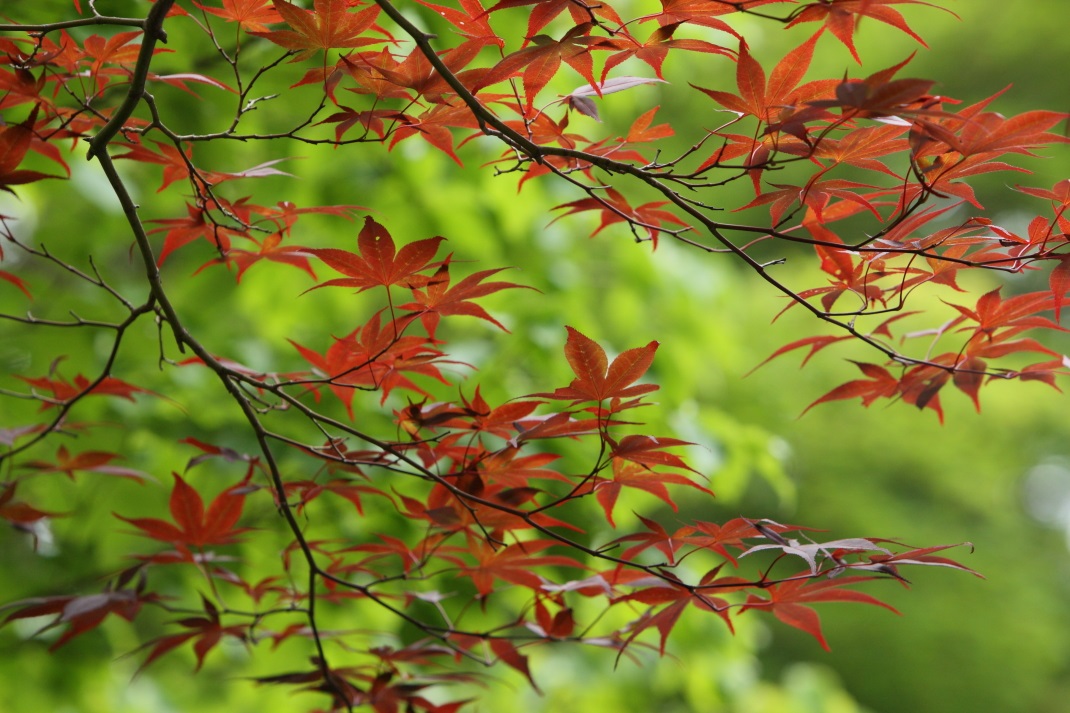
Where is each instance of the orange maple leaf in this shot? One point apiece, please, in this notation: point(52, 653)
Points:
point(329, 25)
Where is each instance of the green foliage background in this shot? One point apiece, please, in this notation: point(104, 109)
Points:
point(963, 644)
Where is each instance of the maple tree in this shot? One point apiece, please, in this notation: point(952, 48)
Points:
point(869, 174)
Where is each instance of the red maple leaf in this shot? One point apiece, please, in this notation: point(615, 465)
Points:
point(270, 249)
point(206, 631)
point(768, 99)
point(88, 461)
point(719, 537)
point(841, 17)
point(597, 379)
point(17, 282)
point(194, 526)
point(655, 49)
point(17, 512)
point(630, 474)
point(64, 391)
point(547, 10)
point(541, 60)
point(439, 298)
point(181, 231)
point(329, 25)
point(789, 601)
point(379, 262)
point(614, 208)
point(251, 15)
point(675, 596)
point(514, 563)
point(374, 357)
point(81, 613)
point(15, 141)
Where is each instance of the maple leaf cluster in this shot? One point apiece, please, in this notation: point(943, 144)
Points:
point(498, 543)
point(880, 146)
point(488, 505)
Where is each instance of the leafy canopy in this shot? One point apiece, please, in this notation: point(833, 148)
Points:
point(495, 538)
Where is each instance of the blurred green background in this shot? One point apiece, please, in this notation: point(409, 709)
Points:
point(1000, 479)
